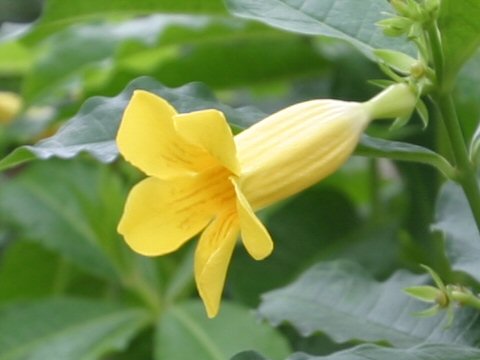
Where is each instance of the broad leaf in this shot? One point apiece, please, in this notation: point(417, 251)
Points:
point(342, 301)
point(27, 270)
point(460, 30)
point(373, 352)
point(67, 329)
point(94, 128)
point(185, 333)
point(332, 18)
point(71, 208)
point(455, 220)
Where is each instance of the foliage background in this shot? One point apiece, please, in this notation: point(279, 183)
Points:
point(344, 249)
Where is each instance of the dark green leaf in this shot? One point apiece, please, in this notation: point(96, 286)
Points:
point(423, 352)
point(341, 300)
point(373, 352)
point(460, 33)
point(455, 220)
point(184, 333)
point(395, 150)
point(316, 219)
point(66, 329)
point(63, 64)
point(332, 18)
point(175, 49)
point(27, 270)
point(70, 208)
point(94, 128)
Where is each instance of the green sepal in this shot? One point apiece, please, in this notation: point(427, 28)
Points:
point(422, 112)
point(430, 312)
point(424, 293)
point(381, 83)
point(397, 60)
point(395, 26)
point(399, 122)
point(435, 278)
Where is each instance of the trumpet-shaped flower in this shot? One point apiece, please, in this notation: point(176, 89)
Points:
point(201, 177)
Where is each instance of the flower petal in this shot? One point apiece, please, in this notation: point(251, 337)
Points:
point(255, 236)
point(147, 138)
point(212, 257)
point(209, 129)
point(160, 216)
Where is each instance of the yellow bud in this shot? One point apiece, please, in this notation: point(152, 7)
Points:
point(10, 105)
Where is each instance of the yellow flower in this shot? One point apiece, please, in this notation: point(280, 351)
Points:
point(10, 105)
point(201, 177)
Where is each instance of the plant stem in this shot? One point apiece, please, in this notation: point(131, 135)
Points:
point(466, 172)
point(466, 177)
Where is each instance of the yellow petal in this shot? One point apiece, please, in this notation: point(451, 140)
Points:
point(147, 138)
point(161, 215)
point(212, 257)
point(255, 236)
point(209, 130)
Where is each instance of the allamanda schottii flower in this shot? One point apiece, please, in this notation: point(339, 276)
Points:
point(201, 178)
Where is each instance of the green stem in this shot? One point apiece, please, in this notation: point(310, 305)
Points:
point(466, 299)
point(466, 177)
point(466, 172)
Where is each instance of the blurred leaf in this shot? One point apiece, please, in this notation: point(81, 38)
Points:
point(248, 355)
point(90, 47)
point(176, 49)
point(71, 208)
point(332, 18)
point(455, 221)
point(241, 55)
point(94, 127)
point(27, 270)
point(467, 95)
point(66, 329)
point(460, 30)
point(19, 10)
point(184, 333)
point(341, 300)
point(58, 14)
point(14, 59)
point(395, 150)
point(375, 352)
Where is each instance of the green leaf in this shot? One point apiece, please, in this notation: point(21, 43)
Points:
point(27, 270)
point(316, 219)
point(455, 221)
point(332, 18)
point(345, 303)
point(175, 49)
point(58, 14)
point(375, 352)
point(71, 208)
point(67, 329)
point(14, 59)
point(460, 31)
point(395, 150)
point(62, 64)
point(184, 333)
point(248, 355)
point(94, 127)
